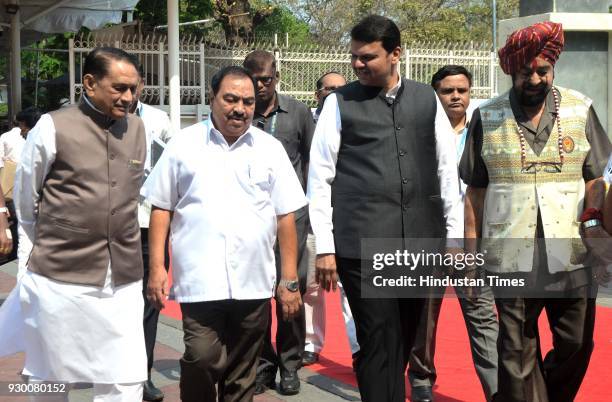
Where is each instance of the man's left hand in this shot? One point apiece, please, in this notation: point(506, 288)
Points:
point(599, 244)
point(601, 275)
point(291, 302)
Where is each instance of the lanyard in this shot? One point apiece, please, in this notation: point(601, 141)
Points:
point(272, 131)
point(461, 143)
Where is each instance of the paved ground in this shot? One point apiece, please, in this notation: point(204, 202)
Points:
point(168, 350)
point(166, 371)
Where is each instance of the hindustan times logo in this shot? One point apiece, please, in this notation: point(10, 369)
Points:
point(407, 259)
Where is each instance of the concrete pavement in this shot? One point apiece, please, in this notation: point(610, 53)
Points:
point(166, 370)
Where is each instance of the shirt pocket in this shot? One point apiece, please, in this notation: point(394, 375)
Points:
point(260, 178)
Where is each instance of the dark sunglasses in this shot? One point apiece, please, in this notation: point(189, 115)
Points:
point(329, 89)
point(265, 80)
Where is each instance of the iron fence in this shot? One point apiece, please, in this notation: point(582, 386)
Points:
point(299, 66)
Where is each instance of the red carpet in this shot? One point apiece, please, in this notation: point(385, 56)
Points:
point(457, 379)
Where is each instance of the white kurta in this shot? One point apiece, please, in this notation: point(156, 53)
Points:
point(70, 333)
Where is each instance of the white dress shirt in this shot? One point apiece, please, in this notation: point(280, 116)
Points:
point(225, 200)
point(322, 171)
point(11, 145)
point(157, 127)
point(98, 337)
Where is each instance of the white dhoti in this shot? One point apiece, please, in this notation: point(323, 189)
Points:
point(73, 333)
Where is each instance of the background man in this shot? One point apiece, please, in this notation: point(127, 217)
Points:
point(314, 298)
point(327, 84)
point(11, 146)
point(452, 85)
point(12, 142)
point(382, 147)
point(533, 163)
point(157, 129)
point(75, 195)
point(291, 123)
point(226, 190)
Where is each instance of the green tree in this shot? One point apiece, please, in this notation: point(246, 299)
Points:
point(419, 20)
point(282, 21)
point(240, 20)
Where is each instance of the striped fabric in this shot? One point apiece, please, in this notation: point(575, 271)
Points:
point(544, 40)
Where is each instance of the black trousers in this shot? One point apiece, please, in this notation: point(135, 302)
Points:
point(523, 375)
point(386, 330)
point(290, 335)
point(151, 314)
point(223, 340)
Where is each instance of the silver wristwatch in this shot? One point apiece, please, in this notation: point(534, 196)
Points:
point(291, 286)
point(591, 223)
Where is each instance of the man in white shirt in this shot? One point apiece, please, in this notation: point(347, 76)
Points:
point(11, 146)
point(12, 142)
point(382, 165)
point(225, 190)
point(158, 131)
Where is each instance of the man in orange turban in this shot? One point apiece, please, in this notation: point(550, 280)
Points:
point(526, 191)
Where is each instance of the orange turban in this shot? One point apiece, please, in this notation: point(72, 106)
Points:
point(544, 40)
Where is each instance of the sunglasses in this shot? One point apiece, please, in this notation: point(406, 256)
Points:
point(328, 89)
point(267, 80)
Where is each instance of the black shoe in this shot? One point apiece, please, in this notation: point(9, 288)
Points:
point(151, 393)
point(264, 381)
point(421, 393)
point(309, 358)
point(289, 383)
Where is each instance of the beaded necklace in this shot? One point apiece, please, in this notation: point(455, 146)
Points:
point(559, 131)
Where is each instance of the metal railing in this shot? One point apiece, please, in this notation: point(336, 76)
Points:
point(299, 66)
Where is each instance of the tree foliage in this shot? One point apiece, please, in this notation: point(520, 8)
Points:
point(240, 20)
point(418, 20)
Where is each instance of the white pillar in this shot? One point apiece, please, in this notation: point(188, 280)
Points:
point(174, 65)
point(15, 63)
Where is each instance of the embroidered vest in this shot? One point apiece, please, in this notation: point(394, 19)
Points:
point(517, 190)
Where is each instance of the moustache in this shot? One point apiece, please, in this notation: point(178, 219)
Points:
point(237, 116)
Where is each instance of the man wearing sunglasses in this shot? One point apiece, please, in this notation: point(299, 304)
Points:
point(290, 122)
point(533, 163)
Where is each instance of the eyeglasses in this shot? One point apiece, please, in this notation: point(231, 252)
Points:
point(546, 167)
point(267, 80)
point(328, 89)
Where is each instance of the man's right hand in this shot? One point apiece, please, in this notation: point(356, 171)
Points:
point(325, 271)
point(157, 287)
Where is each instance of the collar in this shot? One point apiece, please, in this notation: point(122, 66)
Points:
point(139, 107)
point(214, 135)
point(392, 93)
point(280, 105)
point(88, 108)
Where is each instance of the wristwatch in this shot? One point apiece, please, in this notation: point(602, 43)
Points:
point(291, 286)
point(5, 211)
point(591, 223)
